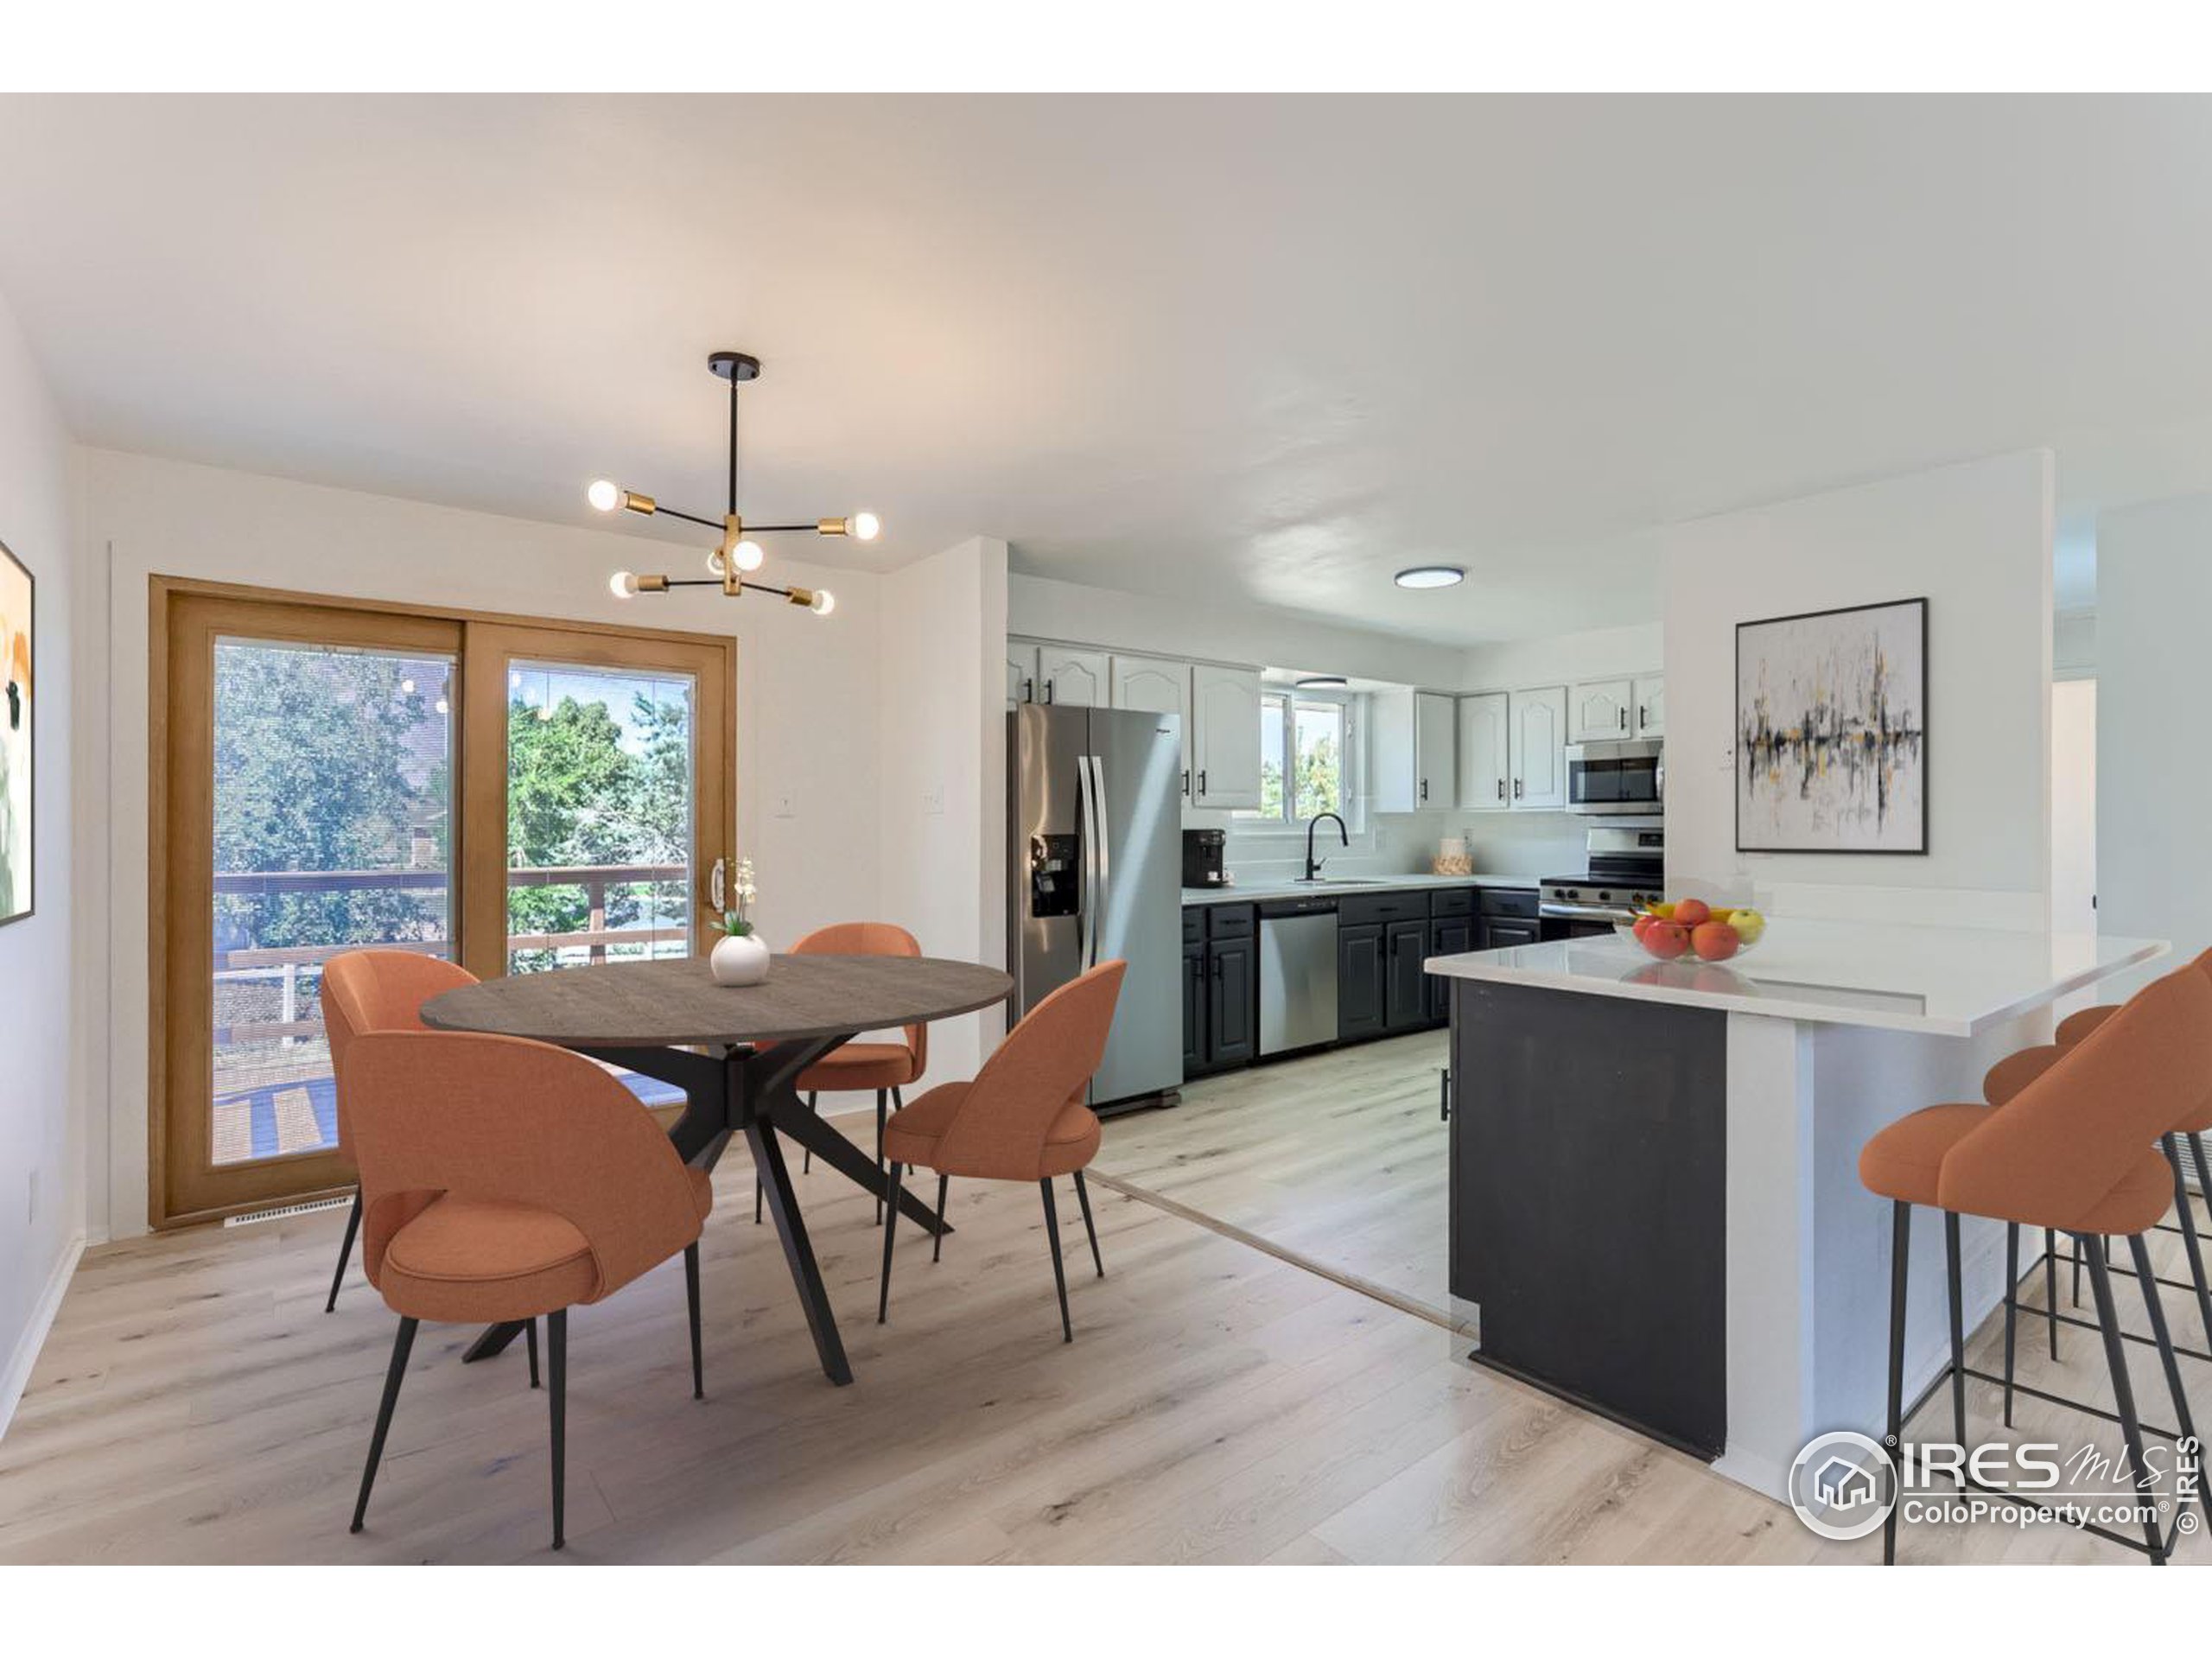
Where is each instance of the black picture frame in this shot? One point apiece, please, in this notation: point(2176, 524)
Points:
point(28, 713)
point(1736, 744)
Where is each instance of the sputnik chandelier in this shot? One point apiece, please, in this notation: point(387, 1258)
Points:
point(737, 554)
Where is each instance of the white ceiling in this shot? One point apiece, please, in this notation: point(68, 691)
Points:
point(1256, 348)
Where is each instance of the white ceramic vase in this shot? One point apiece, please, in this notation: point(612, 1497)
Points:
point(738, 960)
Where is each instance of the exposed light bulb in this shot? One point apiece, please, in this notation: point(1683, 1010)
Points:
point(407, 687)
point(865, 526)
point(604, 495)
point(442, 706)
point(750, 555)
point(824, 602)
point(623, 584)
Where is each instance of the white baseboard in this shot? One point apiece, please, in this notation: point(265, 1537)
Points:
point(17, 1376)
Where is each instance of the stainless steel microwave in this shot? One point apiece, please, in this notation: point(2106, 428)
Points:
point(1628, 776)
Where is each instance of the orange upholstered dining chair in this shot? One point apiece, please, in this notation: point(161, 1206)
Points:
point(1021, 1119)
point(376, 990)
point(503, 1180)
point(885, 1067)
point(2069, 1150)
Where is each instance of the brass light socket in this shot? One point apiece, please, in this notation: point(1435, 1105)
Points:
point(636, 503)
point(652, 584)
point(830, 527)
point(801, 596)
point(732, 578)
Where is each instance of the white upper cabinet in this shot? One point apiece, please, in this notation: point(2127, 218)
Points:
point(1157, 686)
point(1485, 781)
point(1538, 758)
point(1224, 736)
point(1067, 676)
point(1650, 706)
point(1021, 672)
point(1599, 709)
point(1414, 764)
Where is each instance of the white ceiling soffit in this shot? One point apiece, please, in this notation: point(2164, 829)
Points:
point(1242, 349)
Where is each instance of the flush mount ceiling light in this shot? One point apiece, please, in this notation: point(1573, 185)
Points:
point(737, 553)
point(1323, 683)
point(1431, 575)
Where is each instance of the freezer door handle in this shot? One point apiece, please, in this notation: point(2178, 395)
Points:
point(1087, 830)
point(1101, 859)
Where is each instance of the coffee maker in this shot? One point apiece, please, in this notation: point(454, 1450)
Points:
point(1202, 858)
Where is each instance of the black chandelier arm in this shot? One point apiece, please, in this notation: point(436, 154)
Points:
point(663, 511)
point(716, 582)
point(688, 517)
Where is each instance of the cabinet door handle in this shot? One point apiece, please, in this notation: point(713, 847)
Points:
point(1444, 1093)
point(1217, 967)
point(1029, 691)
point(1624, 719)
point(1424, 789)
point(1048, 690)
point(1186, 783)
point(1202, 781)
point(1517, 789)
point(1501, 789)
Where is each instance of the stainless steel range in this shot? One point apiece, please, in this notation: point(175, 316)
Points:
point(1628, 869)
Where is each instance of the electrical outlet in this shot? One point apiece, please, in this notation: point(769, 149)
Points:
point(780, 805)
point(933, 800)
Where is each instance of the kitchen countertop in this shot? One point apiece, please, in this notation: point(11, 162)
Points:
point(1953, 982)
point(1290, 887)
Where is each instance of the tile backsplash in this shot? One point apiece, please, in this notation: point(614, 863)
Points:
point(1501, 843)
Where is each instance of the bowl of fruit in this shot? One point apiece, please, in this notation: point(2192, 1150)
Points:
point(1692, 928)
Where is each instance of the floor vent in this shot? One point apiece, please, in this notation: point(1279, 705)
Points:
point(315, 1209)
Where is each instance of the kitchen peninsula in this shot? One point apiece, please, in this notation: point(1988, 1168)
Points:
point(1655, 1209)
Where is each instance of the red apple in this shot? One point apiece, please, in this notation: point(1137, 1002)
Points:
point(1665, 940)
point(1714, 941)
point(1692, 911)
point(1642, 924)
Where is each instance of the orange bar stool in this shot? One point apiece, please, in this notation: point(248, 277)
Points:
point(505, 1179)
point(2068, 1151)
point(379, 990)
point(885, 1067)
point(1021, 1119)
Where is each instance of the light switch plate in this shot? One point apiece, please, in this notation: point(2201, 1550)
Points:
point(780, 805)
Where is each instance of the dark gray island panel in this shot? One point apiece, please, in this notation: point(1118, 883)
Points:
point(1589, 1200)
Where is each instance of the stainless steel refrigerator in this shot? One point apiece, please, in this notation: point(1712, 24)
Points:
point(1095, 818)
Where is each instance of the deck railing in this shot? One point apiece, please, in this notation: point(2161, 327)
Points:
point(284, 962)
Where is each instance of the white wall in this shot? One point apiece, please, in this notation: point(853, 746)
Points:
point(809, 811)
point(2154, 801)
point(40, 1137)
point(942, 771)
point(1146, 626)
point(1975, 541)
point(2074, 807)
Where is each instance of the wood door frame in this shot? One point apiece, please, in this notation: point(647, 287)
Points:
point(175, 891)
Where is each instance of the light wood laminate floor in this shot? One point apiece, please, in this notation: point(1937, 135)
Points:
point(1338, 1159)
point(195, 1404)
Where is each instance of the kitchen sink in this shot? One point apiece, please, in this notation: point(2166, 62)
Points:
point(1333, 881)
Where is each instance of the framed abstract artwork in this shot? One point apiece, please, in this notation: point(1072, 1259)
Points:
point(17, 637)
point(1832, 731)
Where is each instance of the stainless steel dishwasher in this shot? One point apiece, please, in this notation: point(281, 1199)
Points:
point(1298, 973)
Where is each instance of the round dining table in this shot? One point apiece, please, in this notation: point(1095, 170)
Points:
point(736, 1051)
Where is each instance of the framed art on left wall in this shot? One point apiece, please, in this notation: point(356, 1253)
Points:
point(17, 603)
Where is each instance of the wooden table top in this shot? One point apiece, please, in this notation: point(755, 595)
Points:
point(671, 1003)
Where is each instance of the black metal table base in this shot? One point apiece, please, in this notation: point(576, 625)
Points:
point(752, 1092)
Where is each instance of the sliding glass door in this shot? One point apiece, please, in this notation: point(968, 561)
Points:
point(518, 797)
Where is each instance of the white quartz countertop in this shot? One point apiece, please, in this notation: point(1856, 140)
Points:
point(1286, 888)
point(1954, 982)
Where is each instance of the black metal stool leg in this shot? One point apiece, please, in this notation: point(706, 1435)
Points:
point(1900, 1249)
point(691, 1304)
point(937, 1244)
point(2077, 1269)
point(1083, 1196)
point(556, 1355)
point(1059, 1273)
point(2012, 1300)
point(806, 1154)
point(890, 1228)
point(345, 1251)
point(2051, 1286)
point(1958, 1326)
point(529, 1335)
point(2155, 1309)
point(402, 1346)
point(2123, 1391)
point(882, 1112)
point(2189, 1241)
